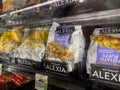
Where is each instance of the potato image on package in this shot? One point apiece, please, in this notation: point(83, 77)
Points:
point(108, 41)
point(57, 51)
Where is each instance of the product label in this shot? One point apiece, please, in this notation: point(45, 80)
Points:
point(105, 74)
point(110, 30)
point(64, 2)
point(108, 56)
point(25, 62)
point(55, 66)
point(41, 85)
point(63, 34)
point(65, 29)
point(63, 40)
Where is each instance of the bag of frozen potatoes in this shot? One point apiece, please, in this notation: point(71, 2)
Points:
point(65, 44)
point(33, 47)
point(104, 48)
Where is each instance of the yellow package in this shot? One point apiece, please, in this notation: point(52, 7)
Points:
point(33, 46)
point(9, 40)
point(7, 5)
point(110, 42)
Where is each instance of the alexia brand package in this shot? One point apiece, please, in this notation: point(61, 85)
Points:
point(33, 47)
point(104, 48)
point(65, 43)
point(7, 5)
point(9, 40)
point(19, 3)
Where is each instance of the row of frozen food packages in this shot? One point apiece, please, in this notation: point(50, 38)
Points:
point(63, 43)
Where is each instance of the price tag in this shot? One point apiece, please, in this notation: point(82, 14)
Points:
point(41, 82)
point(106, 74)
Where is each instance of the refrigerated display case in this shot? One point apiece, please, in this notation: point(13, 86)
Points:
point(47, 37)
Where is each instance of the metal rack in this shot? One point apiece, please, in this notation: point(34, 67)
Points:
point(95, 18)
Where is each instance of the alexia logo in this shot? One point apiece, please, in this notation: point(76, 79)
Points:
point(107, 76)
point(55, 67)
point(65, 2)
point(110, 31)
point(111, 75)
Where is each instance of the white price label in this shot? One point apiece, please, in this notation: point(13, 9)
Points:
point(41, 82)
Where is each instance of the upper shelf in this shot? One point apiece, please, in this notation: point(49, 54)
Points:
point(75, 13)
point(97, 18)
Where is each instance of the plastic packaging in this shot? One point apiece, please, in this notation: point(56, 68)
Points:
point(104, 48)
point(65, 44)
point(33, 47)
point(9, 40)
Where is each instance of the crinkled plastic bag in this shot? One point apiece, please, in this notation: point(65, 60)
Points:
point(65, 44)
point(9, 40)
point(33, 47)
point(7, 5)
point(104, 48)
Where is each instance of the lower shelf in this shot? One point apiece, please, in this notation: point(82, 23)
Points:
point(59, 82)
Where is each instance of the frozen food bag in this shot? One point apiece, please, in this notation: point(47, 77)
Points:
point(33, 47)
point(65, 43)
point(7, 5)
point(104, 48)
point(9, 40)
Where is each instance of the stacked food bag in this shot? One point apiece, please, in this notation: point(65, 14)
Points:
point(65, 44)
point(24, 43)
point(104, 48)
point(33, 46)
